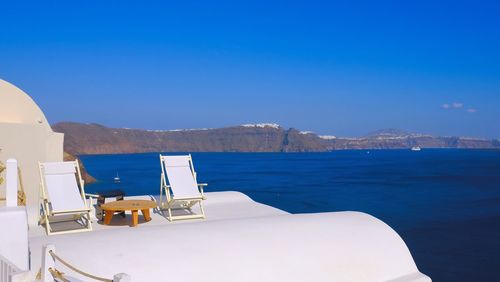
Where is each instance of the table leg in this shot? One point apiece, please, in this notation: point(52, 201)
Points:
point(120, 198)
point(99, 212)
point(146, 214)
point(135, 217)
point(108, 216)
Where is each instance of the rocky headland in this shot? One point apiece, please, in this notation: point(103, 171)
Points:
point(82, 138)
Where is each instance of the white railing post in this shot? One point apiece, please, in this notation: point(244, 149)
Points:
point(11, 183)
point(7, 268)
point(22, 276)
point(11, 273)
point(122, 277)
point(48, 262)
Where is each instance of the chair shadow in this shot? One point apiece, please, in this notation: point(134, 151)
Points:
point(62, 224)
point(119, 220)
point(176, 211)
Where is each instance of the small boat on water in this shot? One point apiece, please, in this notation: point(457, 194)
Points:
point(117, 178)
point(416, 148)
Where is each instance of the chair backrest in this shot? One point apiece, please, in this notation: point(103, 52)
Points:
point(61, 186)
point(180, 174)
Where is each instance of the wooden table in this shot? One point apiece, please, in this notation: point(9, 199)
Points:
point(128, 205)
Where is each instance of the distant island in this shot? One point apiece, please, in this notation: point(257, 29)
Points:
point(82, 139)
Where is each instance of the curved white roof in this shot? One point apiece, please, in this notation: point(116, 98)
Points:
point(337, 246)
point(17, 107)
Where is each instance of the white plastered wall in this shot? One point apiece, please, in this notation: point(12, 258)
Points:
point(26, 135)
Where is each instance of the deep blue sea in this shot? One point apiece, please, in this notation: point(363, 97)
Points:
point(444, 203)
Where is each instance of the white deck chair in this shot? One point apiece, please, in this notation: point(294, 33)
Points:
point(62, 192)
point(181, 191)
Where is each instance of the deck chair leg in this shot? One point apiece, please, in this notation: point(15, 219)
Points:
point(47, 225)
point(45, 218)
point(161, 192)
point(169, 214)
point(164, 198)
point(88, 221)
point(202, 210)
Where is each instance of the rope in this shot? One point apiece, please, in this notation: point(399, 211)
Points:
point(58, 274)
point(39, 274)
point(21, 196)
point(76, 269)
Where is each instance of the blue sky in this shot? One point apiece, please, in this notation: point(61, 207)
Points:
point(342, 68)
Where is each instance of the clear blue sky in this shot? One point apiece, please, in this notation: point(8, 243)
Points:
point(343, 68)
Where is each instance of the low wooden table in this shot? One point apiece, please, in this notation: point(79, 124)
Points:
point(128, 205)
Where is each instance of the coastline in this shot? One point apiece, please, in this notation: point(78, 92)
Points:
point(288, 153)
point(83, 139)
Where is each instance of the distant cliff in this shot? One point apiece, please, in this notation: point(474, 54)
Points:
point(399, 139)
point(98, 139)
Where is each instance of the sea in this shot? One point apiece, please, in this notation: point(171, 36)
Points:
point(444, 203)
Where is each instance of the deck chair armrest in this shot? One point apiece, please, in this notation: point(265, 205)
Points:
point(70, 211)
point(200, 186)
point(165, 187)
point(91, 198)
point(188, 199)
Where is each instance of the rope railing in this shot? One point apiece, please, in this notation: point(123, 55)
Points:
point(21, 196)
point(60, 275)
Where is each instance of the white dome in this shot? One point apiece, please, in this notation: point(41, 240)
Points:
point(17, 107)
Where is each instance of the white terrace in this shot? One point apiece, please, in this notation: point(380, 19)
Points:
point(239, 239)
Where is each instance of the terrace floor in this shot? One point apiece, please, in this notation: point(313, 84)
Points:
point(218, 206)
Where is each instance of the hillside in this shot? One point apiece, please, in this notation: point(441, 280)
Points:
point(97, 139)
